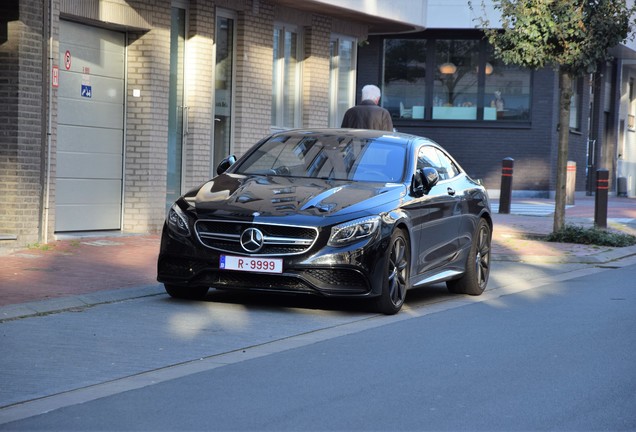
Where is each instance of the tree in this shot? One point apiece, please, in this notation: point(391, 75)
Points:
point(573, 37)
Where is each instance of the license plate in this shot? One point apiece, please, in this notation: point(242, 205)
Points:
point(251, 264)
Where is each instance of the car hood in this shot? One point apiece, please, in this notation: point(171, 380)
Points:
point(240, 195)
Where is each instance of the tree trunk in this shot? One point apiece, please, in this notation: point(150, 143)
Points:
point(565, 87)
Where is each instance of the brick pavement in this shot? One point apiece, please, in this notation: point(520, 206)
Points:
point(76, 266)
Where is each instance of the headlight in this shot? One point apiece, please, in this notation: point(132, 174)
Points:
point(353, 231)
point(177, 221)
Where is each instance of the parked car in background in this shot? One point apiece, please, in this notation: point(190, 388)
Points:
point(331, 212)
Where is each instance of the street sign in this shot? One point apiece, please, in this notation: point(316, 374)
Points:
point(55, 77)
point(67, 60)
point(87, 91)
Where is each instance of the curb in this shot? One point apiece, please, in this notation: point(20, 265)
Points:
point(599, 258)
point(80, 301)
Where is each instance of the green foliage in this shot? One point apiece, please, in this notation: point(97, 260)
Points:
point(573, 35)
point(591, 236)
point(43, 247)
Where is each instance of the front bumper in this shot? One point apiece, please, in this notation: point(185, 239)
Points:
point(353, 273)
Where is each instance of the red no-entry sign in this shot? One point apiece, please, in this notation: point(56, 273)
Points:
point(67, 60)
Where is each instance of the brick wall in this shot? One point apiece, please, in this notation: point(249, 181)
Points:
point(200, 87)
point(316, 73)
point(253, 94)
point(21, 123)
point(9, 79)
point(147, 121)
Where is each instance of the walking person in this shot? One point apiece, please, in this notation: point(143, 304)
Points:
point(367, 114)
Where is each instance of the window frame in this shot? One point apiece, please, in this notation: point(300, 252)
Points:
point(443, 162)
point(631, 105)
point(430, 39)
point(576, 104)
point(335, 116)
point(279, 77)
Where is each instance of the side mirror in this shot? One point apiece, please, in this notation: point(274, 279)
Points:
point(225, 164)
point(423, 181)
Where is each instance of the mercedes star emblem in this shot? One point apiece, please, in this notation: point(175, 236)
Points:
point(252, 240)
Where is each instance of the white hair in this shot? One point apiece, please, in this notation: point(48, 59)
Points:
point(370, 92)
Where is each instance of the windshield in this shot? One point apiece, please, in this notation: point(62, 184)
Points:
point(334, 157)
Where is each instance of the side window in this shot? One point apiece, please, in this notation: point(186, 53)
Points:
point(449, 167)
point(431, 157)
point(427, 157)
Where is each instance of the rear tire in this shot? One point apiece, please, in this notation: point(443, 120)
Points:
point(187, 293)
point(475, 278)
point(396, 275)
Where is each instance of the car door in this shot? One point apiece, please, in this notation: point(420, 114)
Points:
point(438, 234)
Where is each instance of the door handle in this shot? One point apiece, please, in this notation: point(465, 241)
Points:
point(186, 120)
point(450, 191)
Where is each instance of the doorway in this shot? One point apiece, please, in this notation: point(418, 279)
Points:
point(90, 128)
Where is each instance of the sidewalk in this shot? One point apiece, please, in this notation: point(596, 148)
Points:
point(517, 236)
point(110, 266)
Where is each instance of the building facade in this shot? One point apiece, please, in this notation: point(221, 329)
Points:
point(110, 109)
point(445, 83)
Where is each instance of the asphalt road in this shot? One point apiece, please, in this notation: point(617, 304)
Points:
point(547, 347)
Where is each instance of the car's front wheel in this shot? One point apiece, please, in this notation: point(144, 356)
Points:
point(188, 293)
point(475, 278)
point(396, 275)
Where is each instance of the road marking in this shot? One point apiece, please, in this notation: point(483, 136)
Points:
point(536, 209)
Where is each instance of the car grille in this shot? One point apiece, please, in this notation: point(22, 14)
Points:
point(259, 282)
point(180, 268)
point(225, 236)
point(326, 281)
point(337, 280)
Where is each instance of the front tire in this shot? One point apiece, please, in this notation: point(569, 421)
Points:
point(395, 276)
point(186, 293)
point(475, 278)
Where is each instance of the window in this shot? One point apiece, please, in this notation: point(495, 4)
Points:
point(455, 89)
point(404, 78)
point(507, 90)
point(330, 156)
point(342, 78)
point(431, 157)
point(286, 92)
point(632, 105)
point(575, 104)
point(452, 79)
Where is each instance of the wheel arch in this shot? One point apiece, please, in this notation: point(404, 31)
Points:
point(488, 217)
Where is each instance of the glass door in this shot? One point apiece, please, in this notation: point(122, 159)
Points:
point(223, 85)
point(342, 78)
point(176, 109)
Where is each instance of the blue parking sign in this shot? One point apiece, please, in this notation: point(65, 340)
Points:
point(87, 91)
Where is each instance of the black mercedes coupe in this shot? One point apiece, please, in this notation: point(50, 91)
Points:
point(331, 212)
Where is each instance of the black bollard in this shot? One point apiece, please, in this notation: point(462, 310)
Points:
point(600, 203)
point(505, 195)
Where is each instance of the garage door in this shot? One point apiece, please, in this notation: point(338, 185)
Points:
point(90, 136)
